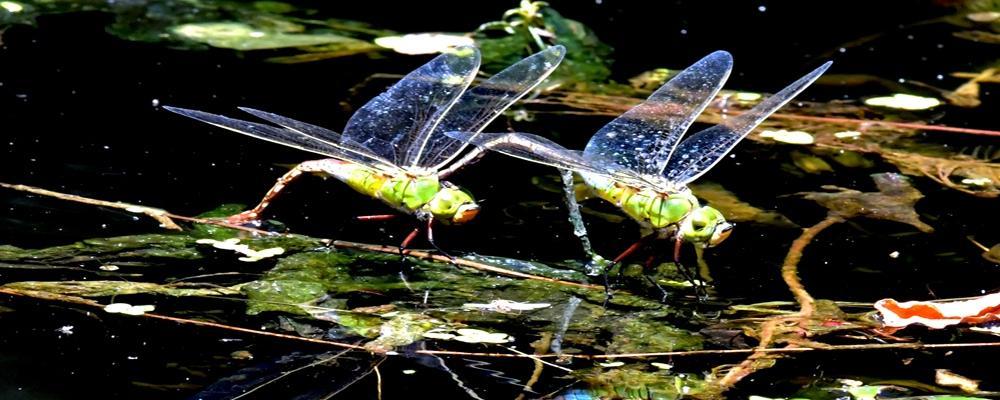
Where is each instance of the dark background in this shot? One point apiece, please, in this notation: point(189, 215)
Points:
point(77, 107)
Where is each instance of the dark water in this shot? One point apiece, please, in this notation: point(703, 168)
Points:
point(78, 113)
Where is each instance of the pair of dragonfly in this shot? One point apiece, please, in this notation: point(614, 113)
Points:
point(400, 146)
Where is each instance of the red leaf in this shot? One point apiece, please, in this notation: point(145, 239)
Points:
point(939, 315)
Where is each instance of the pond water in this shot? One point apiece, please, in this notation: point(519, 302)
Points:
point(82, 85)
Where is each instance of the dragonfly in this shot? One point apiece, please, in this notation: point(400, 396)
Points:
point(639, 162)
point(394, 148)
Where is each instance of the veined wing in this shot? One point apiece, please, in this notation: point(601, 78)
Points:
point(481, 104)
point(540, 150)
point(318, 134)
point(288, 136)
point(700, 152)
point(397, 124)
point(643, 138)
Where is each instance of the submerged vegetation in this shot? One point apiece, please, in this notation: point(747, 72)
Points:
point(657, 324)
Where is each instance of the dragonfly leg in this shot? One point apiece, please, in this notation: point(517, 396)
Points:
point(646, 274)
point(579, 229)
point(631, 249)
point(406, 242)
point(699, 288)
point(430, 238)
point(380, 217)
point(253, 214)
point(403, 266)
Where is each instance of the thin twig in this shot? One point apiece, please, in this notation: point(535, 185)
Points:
point(162, 216)
point(790, 268)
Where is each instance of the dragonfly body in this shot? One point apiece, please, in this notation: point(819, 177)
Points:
point(394, 148)
point(665, 212)
point(416, 195)
point(638, 160)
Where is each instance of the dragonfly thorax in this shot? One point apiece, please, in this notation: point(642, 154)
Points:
point(411, 194)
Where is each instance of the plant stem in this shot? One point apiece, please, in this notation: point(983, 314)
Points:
point(790, 268)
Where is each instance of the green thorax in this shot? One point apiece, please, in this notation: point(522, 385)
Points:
point(658, 210)
point(406, 194)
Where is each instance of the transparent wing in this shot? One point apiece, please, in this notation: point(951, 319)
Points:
point(287, 136)
point(481, 104)
point(700, 152)
point(540, 150)
point(397, 124)
point(318, 134)
point(643, 138)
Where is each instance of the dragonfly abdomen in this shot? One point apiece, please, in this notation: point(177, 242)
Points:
point(658, 210)
point(402, 193)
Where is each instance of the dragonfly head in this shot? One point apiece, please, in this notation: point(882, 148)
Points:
point(453, 205)
point(705, 226)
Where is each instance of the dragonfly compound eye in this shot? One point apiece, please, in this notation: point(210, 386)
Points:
point(453, 205)
point(703, 225)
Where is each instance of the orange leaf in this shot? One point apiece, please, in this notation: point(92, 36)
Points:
point(939, 315)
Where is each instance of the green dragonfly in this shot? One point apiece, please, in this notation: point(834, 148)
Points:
point(638, 161)
point(394, 147)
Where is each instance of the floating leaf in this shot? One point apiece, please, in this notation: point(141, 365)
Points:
point(478, 336)
point(810, 163)
point(11, 7)
point(939, 315)
point(786, 136)
point(847, 135)
point(747, 96)
point(423, 43)
point(438, 334)
point(945, 377)
point(983, 16)
point(127, 309)
point(904, 102)
point(852, 159)
point(251, 254)
point(894, 201)
point(401, 330)
point(505, 306)
point(240, 36)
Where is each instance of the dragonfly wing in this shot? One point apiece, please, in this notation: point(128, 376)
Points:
point(643, 138)
point(396, 124)
point(536, 149)
point(481, 104)
point(283, 136)
point(700, 152)
point(317, 133)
